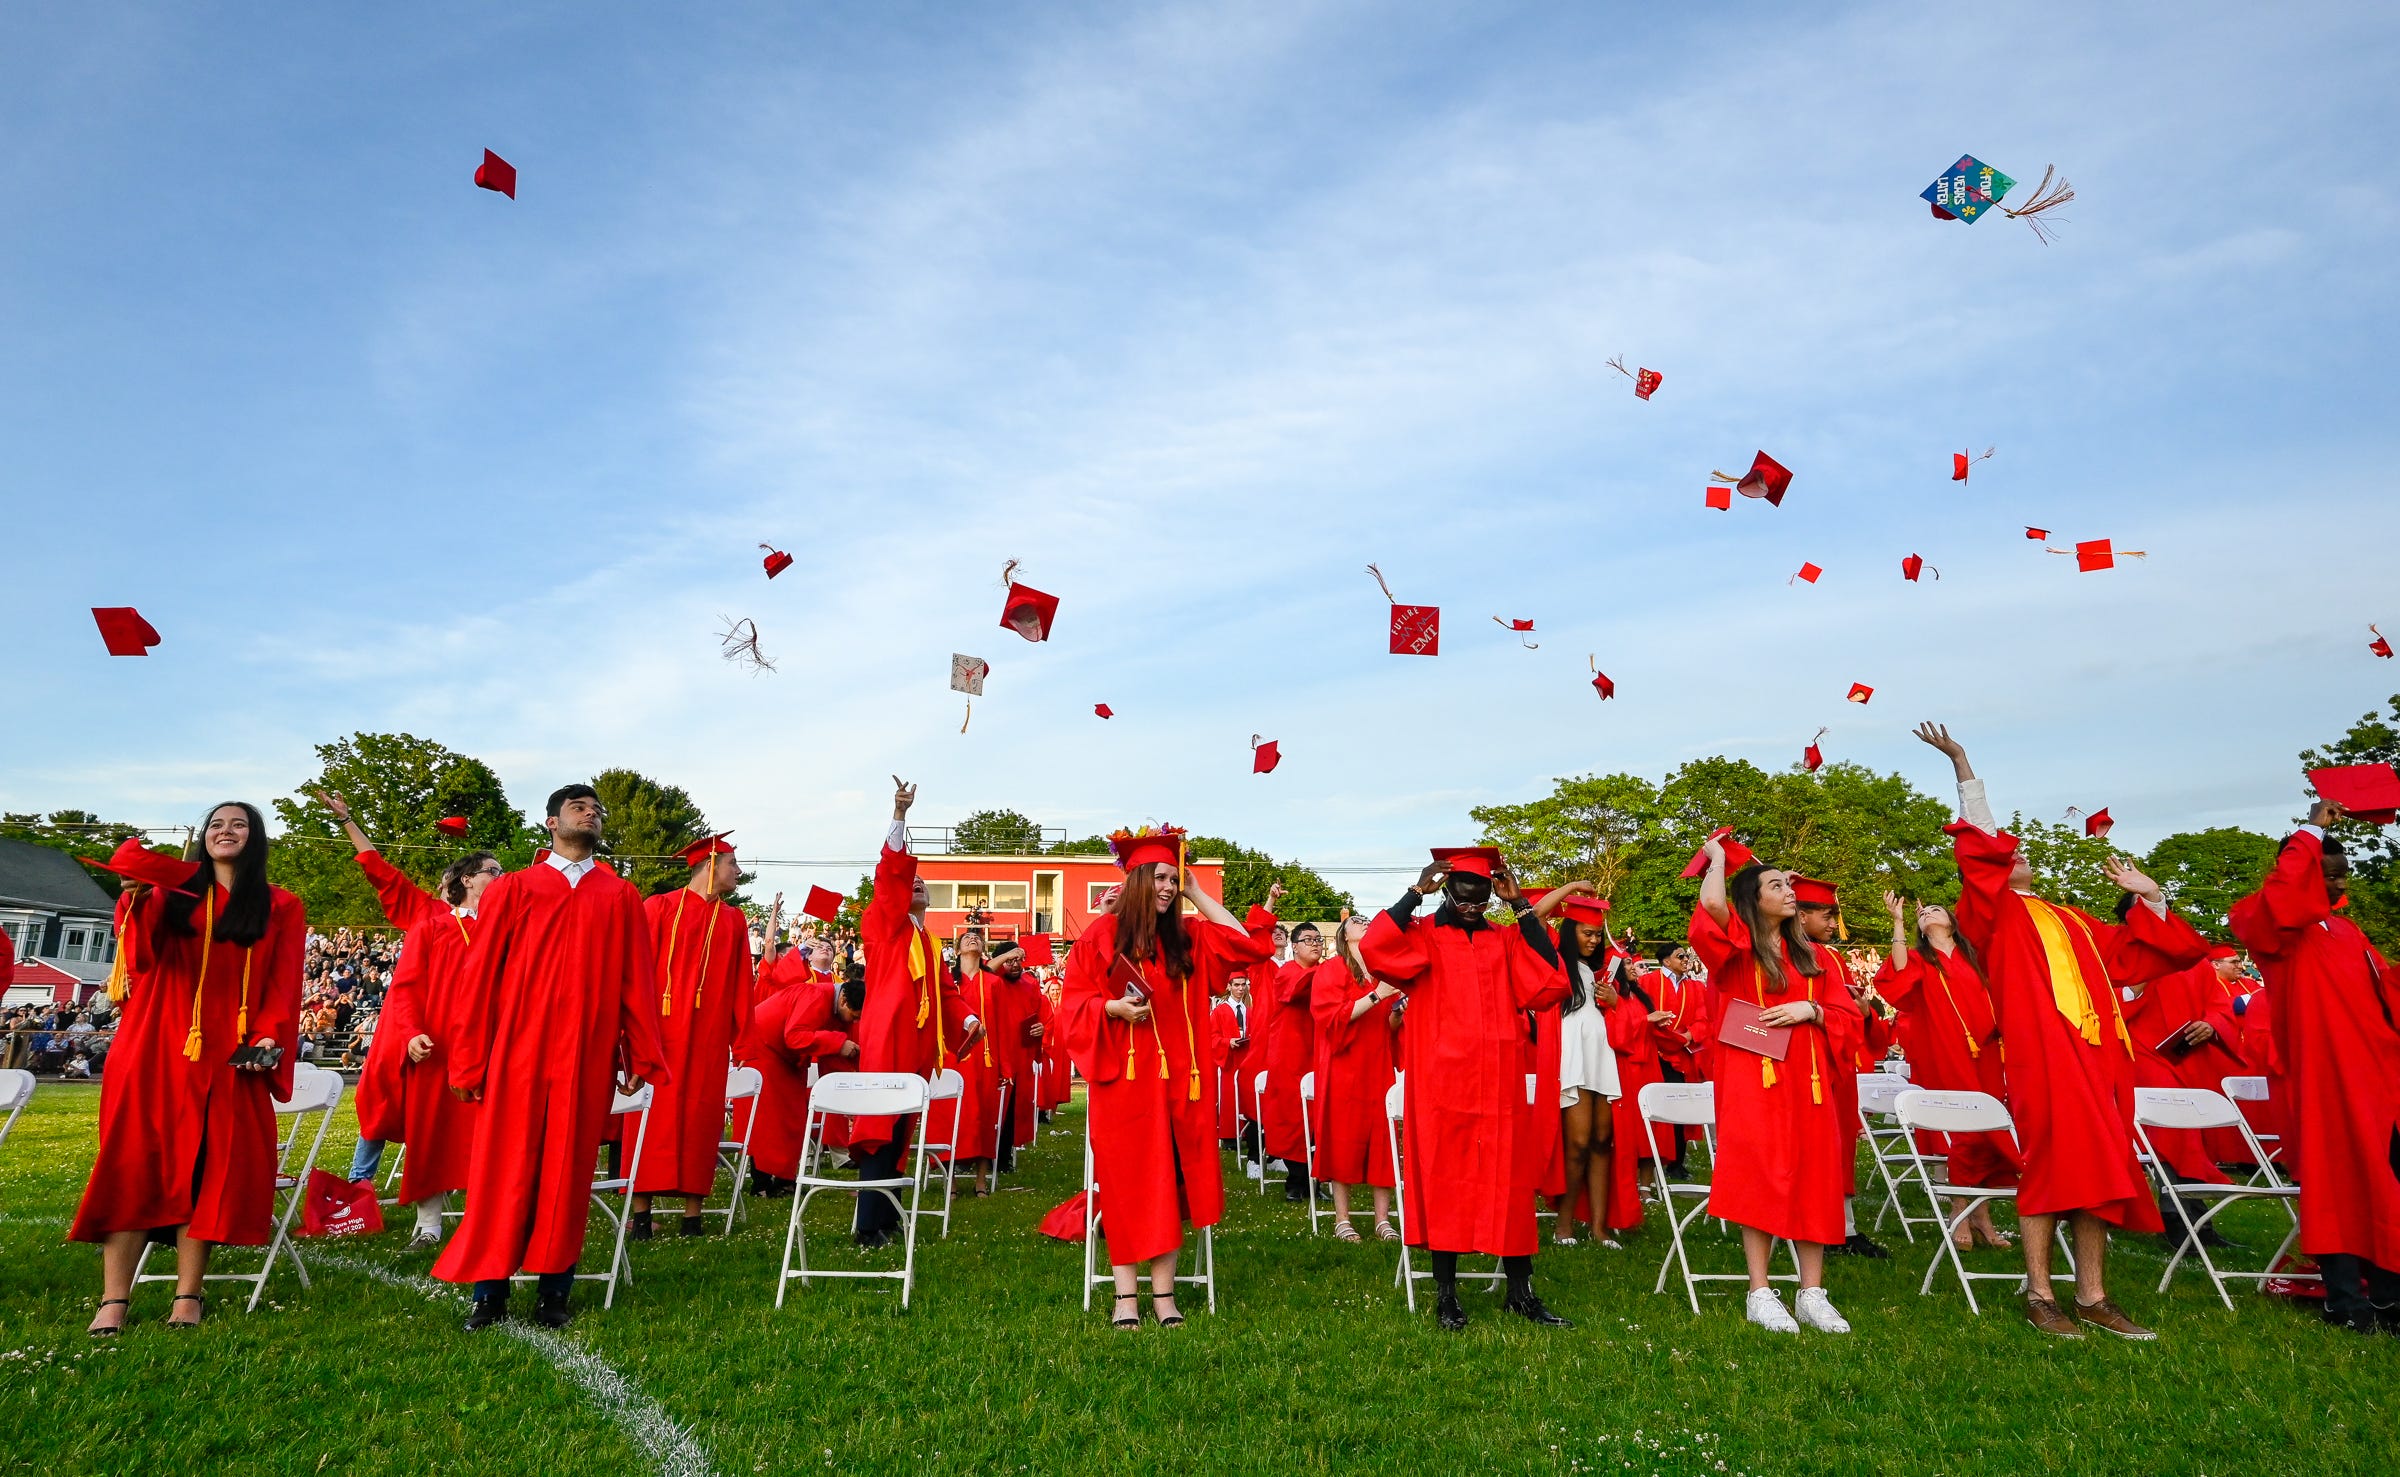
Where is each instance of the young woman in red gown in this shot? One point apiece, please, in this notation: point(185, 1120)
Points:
point(1358, 1024)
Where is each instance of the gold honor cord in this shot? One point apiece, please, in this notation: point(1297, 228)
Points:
point(666, 982)
point(192, 1045)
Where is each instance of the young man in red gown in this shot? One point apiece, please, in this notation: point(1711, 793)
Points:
point(559, 981)
point(2335, 1001)
point(2053, 972)
point(705, 986)
point(1470, 1165)
point(1678, 1024)
point(1229, 1022)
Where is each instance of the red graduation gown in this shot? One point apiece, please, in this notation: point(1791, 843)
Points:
point(787, 1031)
point(2165, 1006)
point(193, 1143)
point(1058, 1075)
point(1469, 1140)
point(1952, 1042)
point(1291, 1053)
point(912, 1012)
point(1354, 1068)
point(706, 981)
point(1153, 1111)
point(1023, 1002)
point(559, 981)
point(1227, 1024)
point(967, 1122)
point(2256, 1022)
point(407, 1101)
point(1784, 1142)
point(2070, 1083)
point(2335, 1001)
point(1677, 1043)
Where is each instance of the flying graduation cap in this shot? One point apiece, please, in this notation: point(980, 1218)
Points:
point(1104, 710)
point(1264, 755)
point(2369, 792)
point(496, 173)
point(2036, 534)
point(776, 561)
point(1914, 565)
point(1960, 461)
point(1600, 681)
point(1027, 611)
point(821, 903)
point(1519, 629)
point(2379, 646)
point(1807, 573)
point(452, 825)
point(1767, 478)
point(1720, 498)
point(1971, 189)
point(966, 675)
point(2096, 554)
point(1812, 758)
point(1416, 629)
point(123, 631)
point(1644, 382)
point(1860, 693)
point(1737, 856)
point(138, 863)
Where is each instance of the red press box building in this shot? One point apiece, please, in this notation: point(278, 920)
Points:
point(1016, 894)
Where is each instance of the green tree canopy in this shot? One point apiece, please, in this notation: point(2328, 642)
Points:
point(397, 786)
point(2374, 850)
point(2206, 872)
point(997, 833)
point(648, 824)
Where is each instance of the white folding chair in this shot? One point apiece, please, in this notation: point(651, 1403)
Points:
point(1924, 1109)
point(1095, 1273)
point(1258, 1102)
point(2255, 1090)
point(1242, 1124)
point(742, 1084)
point(16, 1090)
point(1406, 1275)
point(2197, 1109)
point(1688, 1105)
point(857, 1095)
point(1308, 1144)
point(314, 1090)
point(391, 1175)
point(1003, 1124)
point(1889, 1145)
point(609, 1194)
point(949, 1087)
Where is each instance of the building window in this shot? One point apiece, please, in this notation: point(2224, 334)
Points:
point(1007, 897)
point(1096, 895)
point(941, 895)
point(74, 948)
point(11, 930)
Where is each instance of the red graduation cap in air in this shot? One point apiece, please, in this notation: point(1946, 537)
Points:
point(1644, 383)
point(1807, 573)
point(822, 903)
point(1860, 692)
point(776, 561)
point(1027, 611)
point(2098, 822)
point(2370, 792)
point(1038, 949)
point(138, 863)
point(2036, 534)
point(1812, 758)
point(1767, 478)
point(1960, 461)
point(2098, 553)
point(496, 173)
point(1914, 565)
point(1474, 861)
point(1416, 629)
point(1104, 710)
point(1519, 629)
point(1737, 856)
point(2379, 646)
point(1264, 756)
point(123, 630)
point(706, 847)
point(1720, 498)
point(1601, 683)
point(451, 825)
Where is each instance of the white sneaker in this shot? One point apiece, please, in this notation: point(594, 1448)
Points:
point(1767, 1311)
point(1817, 1311)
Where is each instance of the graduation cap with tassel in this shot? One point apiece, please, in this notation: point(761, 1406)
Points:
point(1519, 629)
point(1971, 189)
point(1960, 462)
point(1644, 383)
point(1416, 629)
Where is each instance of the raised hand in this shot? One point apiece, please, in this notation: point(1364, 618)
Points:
point(904, 795)
point(1430, 880)
point(334, 803)
point(1275, 891)
point(1504, 884)
point(2325, 812)
point(1895, 905)
point(2122, 873)
point(1938, 735)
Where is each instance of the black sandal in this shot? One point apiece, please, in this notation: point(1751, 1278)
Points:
point(188, 1297)
point(1165, 1320)
point(1135, 1321)
point(110, 1333)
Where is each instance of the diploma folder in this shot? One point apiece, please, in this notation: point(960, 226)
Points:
point(2175, 1048)
point(1740, 1027)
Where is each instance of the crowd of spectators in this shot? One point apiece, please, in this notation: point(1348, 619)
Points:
point(57, 1040)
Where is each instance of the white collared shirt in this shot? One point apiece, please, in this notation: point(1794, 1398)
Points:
point(574, 870)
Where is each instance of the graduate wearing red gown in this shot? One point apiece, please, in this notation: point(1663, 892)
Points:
point(1355, 1068)
point(2167, 1006)
point(1952, 1040)
point(913, 1013)
point(705, 985)
point(410, 1102)
point(1138, 1032)
point(968, 1122)
point(1291, 1054)
point(1058, 1076)
point(1630, 1037)
point(1020, 1003)
point(803, 1023)
point(2336, 1000)
point(1470, 1145)
point(1229, 1023)
point(560, 981)
point(186, 1139)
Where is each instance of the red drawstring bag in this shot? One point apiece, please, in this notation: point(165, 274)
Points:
point(1065, 1221)
point(339, 1207)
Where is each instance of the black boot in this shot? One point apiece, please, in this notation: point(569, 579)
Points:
point(552, 1311)
point(694, 1225)
point(640, 1229)
point(1859, 1243)
point(1528, 1307)
point(1446, 1310)
point(487, 1311)
point(1295, 1182)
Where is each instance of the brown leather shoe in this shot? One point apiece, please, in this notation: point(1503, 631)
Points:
point(2106, 1315)
point(2048, 1317)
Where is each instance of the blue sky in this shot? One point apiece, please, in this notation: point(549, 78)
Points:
point(1196, 310)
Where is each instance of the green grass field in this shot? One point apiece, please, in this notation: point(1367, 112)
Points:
point(1312, 1364)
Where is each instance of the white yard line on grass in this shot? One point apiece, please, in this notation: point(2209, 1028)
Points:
point(672, 1450)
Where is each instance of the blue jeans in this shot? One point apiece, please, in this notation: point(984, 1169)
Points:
point(550, 1284)
point(366, 1159)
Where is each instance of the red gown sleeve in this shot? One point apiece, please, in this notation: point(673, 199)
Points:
point(1217, 951)
point(403, 1011)
point(2294, 898)
point(404, 903)
point(884, 923)
point(1329, 1003)
point(1539, 983)
point(2146, 945)
point(497, 916)
point(277, 1017)
point(1900, 986)
point(1096, 1041)
point(1984, 861)
point(1394, 954)
point(810, 1030)
point(1719, 945)
point(1628, 1025)
point(637, 994)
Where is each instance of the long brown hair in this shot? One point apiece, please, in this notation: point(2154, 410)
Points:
point(1351, 957)
point(1143, 932)
point(247, 905)
point(1958, 941)
point(1741, 894)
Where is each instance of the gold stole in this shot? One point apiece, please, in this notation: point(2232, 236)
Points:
point(920, 969)
point(2069, 990)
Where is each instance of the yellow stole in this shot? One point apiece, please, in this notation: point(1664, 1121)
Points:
point(921, 955)
point(2069, 990)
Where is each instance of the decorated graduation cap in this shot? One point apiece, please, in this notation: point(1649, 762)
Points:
point(1860, 693)
point(1971, 189)
point(1960, 461)
point(1719, 498)
point(2096, 554)
point(1148, 845)
point(138, 863)
point(2369, 792)
point(776, 561)
point(1520, 630)
point(1416, 629)
point(1264, 755)
point(704, 848)
point(496, 173)
point(1914, 565)
point(2380, 646)
point(1737, 856)
point(1812, 758)
point(1027, 611)
point(1475, 861)
point(1645, 382)
point(1806, 574)
point(1581, 909)
point(1767, 478)
point(966, 675)
point(1103, 710)
point(452, 825)
point(822, 903)
point(123, 631)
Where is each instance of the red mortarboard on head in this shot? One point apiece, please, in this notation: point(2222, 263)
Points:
point(1027, 611)
point(1162, 845)
point(1814, 892)
point(1475, 861)
point(821, 903)
point(1812, 758)
point(2036, 534)
point(1720, 498)
point(2098, 822)
point(776, 561)
point(706, 847)
point(451, 825)
point(123, 630)
point(1581, 909)
point(1264, 756)
point(1860, 692)
point(1767, 478)
point(1104, 710)
point(2379, 645)
point(1737, 856)
point(2097, 553)
point(138, 863)
point(2223, 951)
point(1808, 573)
point(1913, 566)
point(496, 173)
point(2370, 792)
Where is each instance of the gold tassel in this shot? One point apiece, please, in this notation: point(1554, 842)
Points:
point(2045, 197)
point(118, 981)
point(1766, 1071)
point(241, 1020)
point(666, 970)
point(192, 1044)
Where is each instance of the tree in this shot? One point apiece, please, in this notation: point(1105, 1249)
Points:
point(997, 833)
point(2066, 864)
point(1589, 828)
point(648, 826)
point(75, 832)
point(2374, 851)
point(397, 786)
point(2206, 872)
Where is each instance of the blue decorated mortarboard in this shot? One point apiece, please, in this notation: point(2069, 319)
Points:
point(1966, 190)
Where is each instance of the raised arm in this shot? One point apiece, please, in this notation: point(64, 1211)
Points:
point(341, 815)
point(1898, 908)
point(1712, 883)
point(1973, 807)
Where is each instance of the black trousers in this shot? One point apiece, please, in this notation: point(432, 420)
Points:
point(1674, 1074)
point(2354, 1285)
point(876, 1212)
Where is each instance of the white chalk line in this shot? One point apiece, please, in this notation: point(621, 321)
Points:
point(672, 1449)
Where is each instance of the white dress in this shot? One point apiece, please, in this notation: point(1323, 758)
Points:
point(1585, 1059)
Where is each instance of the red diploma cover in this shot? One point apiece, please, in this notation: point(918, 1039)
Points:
point(1740, 1027)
